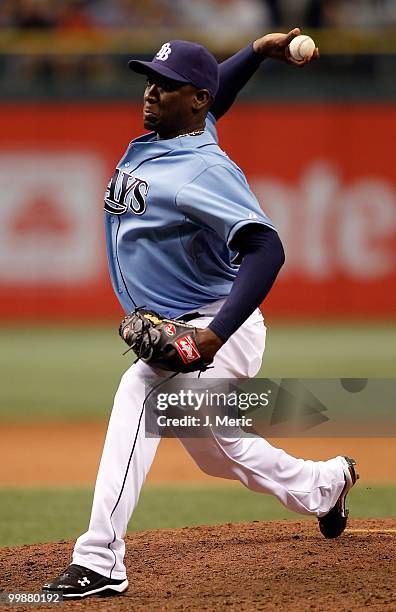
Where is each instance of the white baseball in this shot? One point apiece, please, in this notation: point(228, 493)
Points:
point(302, 47)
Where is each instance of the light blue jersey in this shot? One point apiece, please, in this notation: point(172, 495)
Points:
point(172, 209)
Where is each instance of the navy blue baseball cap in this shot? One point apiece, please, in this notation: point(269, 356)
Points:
point(183, 61)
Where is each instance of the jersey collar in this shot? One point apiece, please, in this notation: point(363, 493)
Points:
point(185, 142)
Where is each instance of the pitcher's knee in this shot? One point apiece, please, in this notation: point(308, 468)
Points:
point(214, 464)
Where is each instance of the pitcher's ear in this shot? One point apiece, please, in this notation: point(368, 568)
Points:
point(201, 99)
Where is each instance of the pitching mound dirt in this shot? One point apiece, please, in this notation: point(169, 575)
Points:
point(254, 566)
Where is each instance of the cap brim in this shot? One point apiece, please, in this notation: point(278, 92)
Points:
point(156, 68)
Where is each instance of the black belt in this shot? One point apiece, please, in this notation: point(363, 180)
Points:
point(190, 316)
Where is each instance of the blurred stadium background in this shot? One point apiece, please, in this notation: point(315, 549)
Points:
point(317, 145)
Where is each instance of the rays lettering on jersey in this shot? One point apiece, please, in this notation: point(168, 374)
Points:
point(125, 191)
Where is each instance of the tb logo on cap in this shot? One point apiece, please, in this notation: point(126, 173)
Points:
point(164, 52)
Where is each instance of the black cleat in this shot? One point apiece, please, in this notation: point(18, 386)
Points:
point(78, 581)
point(334, 522)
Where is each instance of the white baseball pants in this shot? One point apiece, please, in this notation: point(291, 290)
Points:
point(307, 487)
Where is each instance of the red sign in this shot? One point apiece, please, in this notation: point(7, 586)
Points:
point(323, 173)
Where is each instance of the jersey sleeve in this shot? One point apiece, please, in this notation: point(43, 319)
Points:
point(219, 198)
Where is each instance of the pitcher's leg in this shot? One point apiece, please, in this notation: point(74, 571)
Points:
point(307, 487)
point(126, 459)
point(304, 486)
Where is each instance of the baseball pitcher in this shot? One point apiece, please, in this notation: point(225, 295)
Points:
point(191, 257)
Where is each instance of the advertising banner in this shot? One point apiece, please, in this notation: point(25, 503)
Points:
point(323, 173)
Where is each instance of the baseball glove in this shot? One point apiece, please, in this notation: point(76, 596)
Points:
point(162, 343)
